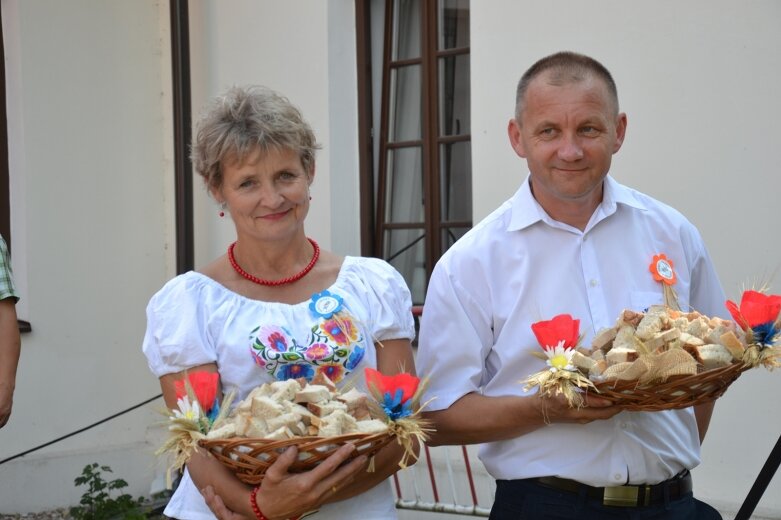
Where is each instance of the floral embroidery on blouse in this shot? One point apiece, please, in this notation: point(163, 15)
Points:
point(334, 345)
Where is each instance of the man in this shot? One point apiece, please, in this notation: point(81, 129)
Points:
point(9, 335)
point(571, 240)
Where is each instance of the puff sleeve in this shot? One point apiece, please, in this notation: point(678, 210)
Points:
point(389, 301)
point(177, 335)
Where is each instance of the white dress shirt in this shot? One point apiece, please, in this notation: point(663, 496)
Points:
point(519, 266)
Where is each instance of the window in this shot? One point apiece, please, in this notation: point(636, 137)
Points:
point(417, 189)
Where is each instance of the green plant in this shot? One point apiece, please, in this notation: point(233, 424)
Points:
point(97, 502)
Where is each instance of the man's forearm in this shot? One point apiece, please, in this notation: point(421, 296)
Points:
point(476, 418)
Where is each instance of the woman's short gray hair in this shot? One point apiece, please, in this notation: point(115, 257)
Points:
point(245, 119)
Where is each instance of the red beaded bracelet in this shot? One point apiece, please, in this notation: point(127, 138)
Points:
point(255, 509)
point(254, 503)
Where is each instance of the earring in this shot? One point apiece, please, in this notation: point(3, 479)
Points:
point(222, 210)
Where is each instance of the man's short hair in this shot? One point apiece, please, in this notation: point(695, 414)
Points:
point(564, 68)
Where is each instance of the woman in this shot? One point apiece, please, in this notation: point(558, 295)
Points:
point(274, 292)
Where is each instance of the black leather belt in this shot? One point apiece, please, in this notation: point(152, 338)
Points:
point(626, 496)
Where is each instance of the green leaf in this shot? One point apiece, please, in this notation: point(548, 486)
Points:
point(341, 352)
point(291, 356)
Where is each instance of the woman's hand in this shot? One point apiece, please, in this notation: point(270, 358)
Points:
point(286, 495)
point(218, 507)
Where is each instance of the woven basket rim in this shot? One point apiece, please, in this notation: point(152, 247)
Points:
point(250, 469)
point(679, 391)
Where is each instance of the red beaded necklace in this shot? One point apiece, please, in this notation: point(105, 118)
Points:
point(282, 281)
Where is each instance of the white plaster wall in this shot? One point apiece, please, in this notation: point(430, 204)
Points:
point(90, 175)
point(698, 81)
point(304, 49)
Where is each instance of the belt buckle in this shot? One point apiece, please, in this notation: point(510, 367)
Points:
point(620, 496)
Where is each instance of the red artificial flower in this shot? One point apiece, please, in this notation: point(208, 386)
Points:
point(390, 384)
point(204, 386)
point(756, 308)
point(561, 328)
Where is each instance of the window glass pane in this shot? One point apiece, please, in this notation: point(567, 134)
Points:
point(450, 235)
point(454, 107)
point(455, 161)
point(405, 104)
point(405, 250)
point(453, 24)
point(406, 29)
point(404, 201)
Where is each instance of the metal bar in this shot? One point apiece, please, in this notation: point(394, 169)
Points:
point(469, 475)
point(397, 485)
point(431, 474)
point(761, 483)
point(450, 474)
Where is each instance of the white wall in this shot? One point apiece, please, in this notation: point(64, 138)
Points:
point(90, 97)
point(698, 81)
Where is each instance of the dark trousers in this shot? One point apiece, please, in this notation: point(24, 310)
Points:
point(529, 500)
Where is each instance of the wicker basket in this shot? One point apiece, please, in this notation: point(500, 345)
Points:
point(674, 393)
point(250, 458)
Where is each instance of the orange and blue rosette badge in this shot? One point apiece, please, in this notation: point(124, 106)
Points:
point(325, 304)
point(663, 272)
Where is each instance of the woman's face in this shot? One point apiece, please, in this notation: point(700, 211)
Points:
point(267, 195)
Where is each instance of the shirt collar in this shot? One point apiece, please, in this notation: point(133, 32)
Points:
point(527, 211)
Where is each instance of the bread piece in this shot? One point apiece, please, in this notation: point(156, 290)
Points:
point(280, 434)
point(285, 390)
point(621, 355)
point(322, 379)
point(604, 339)
point(265, 407)
point(597, 355)
point(691, 340)
point(625, 339)
point(336, 423)
point(733, 344)
point(372, 426)
point(223, 432)
point(713, 356)
point(599, 368)
point(288, 420)
point(253, 427)
point(313, 394)
point(649, 326)
point(353, 398)
point(582, 362)
point(630, 317)
point(661, 339)
point(323, 409)
point(698, 327)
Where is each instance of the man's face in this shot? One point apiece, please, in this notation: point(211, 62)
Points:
point(568, 135)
